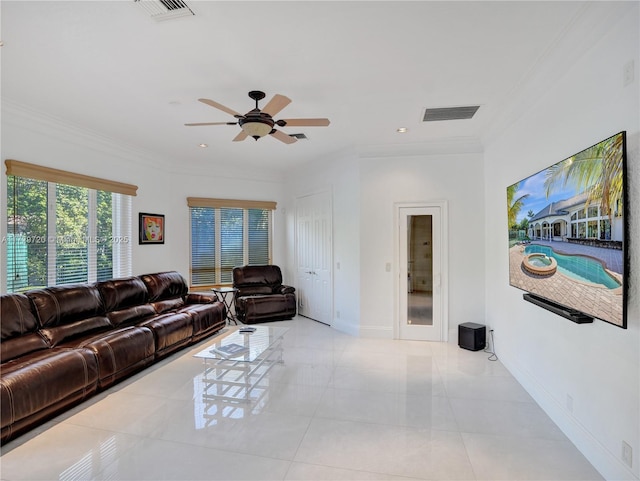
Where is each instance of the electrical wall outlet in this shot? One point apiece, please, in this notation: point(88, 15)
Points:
point(627, 454)
point(337, 314)
point(569, 403)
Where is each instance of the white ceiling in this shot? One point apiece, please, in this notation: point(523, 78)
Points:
point(369, 66)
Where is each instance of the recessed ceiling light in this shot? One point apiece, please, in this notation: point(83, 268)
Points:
point(204, 146)
point(402, 130)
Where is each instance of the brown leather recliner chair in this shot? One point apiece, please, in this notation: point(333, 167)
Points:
point(261, 296)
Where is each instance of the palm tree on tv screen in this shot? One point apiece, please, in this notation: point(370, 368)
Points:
point(514, 204)
point(596, 171)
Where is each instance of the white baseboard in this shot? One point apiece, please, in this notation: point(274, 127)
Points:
point(605, 462)
point(376, 332)
point(350, 328)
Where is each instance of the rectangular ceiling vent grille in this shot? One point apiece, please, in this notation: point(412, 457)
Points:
point(450, 113)
point(299, 136)
point(161, 10)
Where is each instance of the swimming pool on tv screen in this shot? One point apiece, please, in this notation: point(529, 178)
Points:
point(580, 268)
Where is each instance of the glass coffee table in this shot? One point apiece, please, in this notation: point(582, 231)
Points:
point(232, 377)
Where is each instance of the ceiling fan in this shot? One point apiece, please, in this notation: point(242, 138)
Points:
point(257, 123)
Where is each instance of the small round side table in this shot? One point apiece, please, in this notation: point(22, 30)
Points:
point(227, 295)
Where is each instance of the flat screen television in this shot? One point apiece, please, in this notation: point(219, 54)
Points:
point(568, 226)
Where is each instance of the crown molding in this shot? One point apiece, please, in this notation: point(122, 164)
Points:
point(45, 124)
point(592, 21)
point(42, 123)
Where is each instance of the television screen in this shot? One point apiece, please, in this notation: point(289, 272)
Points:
point(567, 228)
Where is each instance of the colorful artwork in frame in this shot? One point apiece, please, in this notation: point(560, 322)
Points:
point(151, 228)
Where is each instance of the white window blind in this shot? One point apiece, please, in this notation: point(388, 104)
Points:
point(61, 234)
point(225, 237)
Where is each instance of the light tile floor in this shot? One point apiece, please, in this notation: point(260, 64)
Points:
point(340, 408)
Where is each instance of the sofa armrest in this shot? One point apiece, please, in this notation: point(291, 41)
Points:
point(285, 290)
point(200, 298)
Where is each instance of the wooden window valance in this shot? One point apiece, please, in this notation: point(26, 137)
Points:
point(230, 203)
point(38, 172)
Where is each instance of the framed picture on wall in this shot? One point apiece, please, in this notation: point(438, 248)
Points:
point(151, 228)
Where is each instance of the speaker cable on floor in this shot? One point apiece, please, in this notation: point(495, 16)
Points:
point(490, 348)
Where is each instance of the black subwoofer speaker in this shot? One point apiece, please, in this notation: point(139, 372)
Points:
point(472, 336)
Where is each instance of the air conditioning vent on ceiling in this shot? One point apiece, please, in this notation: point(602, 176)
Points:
point(161, 10)
point(299, 136)
point(450, 113)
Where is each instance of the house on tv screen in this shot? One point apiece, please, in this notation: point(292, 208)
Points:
point(575, 220)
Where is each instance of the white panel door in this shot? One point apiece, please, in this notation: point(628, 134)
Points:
point(314, 256)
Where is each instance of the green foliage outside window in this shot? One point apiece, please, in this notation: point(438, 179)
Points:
point(30, 241)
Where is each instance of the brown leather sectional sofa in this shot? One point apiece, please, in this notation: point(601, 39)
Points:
point(261, 295)
point(60, 345)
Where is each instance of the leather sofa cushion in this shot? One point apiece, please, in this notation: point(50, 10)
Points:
point(41, 379)
point(18, 334)
point(165, 285)
point(206, 317)
point(58, 334)
point(255, 280)
point(119, 294)
point(119, 352)
point(66, 304)
point(170, 330)
point(261, 308)
point(200, 298)
point(131, 315)
point(20, 346)
point(167, 305)
point(17, 316)
point(257, 290)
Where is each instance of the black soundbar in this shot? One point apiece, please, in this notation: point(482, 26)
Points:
point(564, 311)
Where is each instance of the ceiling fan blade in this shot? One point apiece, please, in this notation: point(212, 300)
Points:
point(276, 104)
point(306, 122)
point(196, 124)
point(282, 137)
point(241, 136)
point(220, 107)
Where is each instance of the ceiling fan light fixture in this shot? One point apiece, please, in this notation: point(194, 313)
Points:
point(258, 123)
point(256, 128)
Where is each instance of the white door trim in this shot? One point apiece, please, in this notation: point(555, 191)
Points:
point(444, 250)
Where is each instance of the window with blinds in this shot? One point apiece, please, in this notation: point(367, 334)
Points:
point(226, 234)
point(59, 231)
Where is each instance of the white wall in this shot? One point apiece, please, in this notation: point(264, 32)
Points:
point(32, 137)
point(340, 176)
point(170, 199)
point(597, 364)
point(455, 178)
point(364, 191)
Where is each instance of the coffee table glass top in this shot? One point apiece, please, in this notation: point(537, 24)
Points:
point(256, 342)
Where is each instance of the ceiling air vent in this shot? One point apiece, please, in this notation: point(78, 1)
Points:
point(299, 136)
point(161, 10)
point(450, 113)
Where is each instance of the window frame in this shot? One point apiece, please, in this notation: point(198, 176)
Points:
point(218, 205)
point(121, 227)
